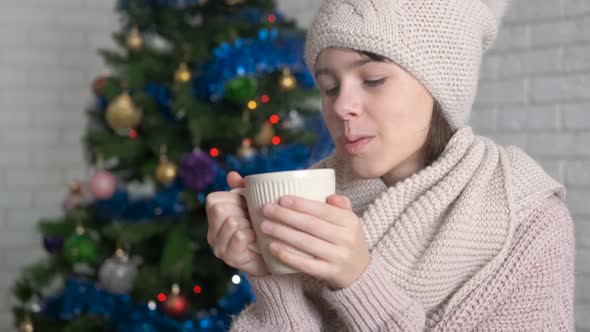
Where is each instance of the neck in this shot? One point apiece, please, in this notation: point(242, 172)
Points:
point(404, 170)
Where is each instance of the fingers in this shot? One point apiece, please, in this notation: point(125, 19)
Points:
point(237, 251)
point(320, 210)
point(218, 214)
point(235, 180)
point(301, 241)
point(225, 197)
point(230, 226)
point(342, 202)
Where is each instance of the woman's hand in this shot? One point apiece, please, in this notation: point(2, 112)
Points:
point(230, 231)
point(330, 232)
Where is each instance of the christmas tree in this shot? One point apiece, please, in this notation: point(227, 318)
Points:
point(194, 90)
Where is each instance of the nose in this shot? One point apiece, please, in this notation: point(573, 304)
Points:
point(347, 105)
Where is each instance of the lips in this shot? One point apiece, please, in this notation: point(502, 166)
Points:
point(355, 144)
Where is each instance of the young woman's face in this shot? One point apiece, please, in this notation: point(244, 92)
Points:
point(378, 114)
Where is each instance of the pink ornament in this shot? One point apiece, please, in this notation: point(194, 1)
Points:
point(103, 185)
point(72, 199)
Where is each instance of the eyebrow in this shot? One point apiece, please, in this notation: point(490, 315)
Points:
point(355, 64)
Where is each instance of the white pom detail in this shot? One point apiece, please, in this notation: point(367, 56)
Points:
point(497, 7)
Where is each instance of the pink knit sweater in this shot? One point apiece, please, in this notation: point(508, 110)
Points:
point(479, 241)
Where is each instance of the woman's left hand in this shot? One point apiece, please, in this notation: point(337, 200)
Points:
point(330, 232)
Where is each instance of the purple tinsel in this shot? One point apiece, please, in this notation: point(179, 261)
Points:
point(197, 170)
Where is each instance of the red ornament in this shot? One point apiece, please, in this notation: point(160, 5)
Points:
point(98, 84)
point(176, 305)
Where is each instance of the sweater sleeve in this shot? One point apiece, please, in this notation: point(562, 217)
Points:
point(374, 303)
point(280, 306)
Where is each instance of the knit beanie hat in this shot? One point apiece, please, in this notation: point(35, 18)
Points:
point(439, 42)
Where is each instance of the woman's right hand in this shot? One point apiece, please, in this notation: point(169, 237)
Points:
point(230, 231)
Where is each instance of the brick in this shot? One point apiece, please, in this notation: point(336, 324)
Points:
point(17, 116)
point(17, 239)
point(25, 136)
point(17, 219)
point(15, 199)
point(553, 33)
point(576, 116)
point(32, 18)
point(60, 119)
point(560, 88)
point(582, 232)
point(581, 316)
point(582, 289)
point(533, 118)
point(577, 173)
point(489, 67)
point(520, 11)
point(578, 202)
point(512, 37)
point(33, 177)
point(504, 92)
point(16, 158)
point(61, 78)
point(553, 168)
point(29, 57)
point(19, 257)
point(48, 198)
point(551, 144)
point(538, 61)
point(577, 7)
point(13, 77)
point(12, 37)
point(506, 139)
point(36, 97)
point(484, 119)
point(64, 156)
point(576, 57)
point(59, 39)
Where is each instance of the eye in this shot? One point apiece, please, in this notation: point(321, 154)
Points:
point(373, 83)
point(333, 91)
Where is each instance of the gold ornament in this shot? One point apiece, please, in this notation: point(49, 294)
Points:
point(264, 137)
point(122, 114)
point(288, 82)
point(166, 171)
point(246, 150)
point(26, 325)
point(134, 39)
point(182, 74)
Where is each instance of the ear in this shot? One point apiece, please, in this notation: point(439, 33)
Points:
point(497, 7)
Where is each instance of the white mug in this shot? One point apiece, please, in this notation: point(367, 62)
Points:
point(260, 189)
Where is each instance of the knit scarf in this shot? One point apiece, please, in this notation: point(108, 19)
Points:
point(444, 229)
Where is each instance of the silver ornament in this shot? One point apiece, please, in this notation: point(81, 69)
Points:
point(294, 121)
point(118, 273)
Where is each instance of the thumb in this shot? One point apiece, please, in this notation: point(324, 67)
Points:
point(235, 180)
point(340, 201)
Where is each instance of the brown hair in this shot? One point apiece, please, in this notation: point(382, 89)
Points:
point(440, 131)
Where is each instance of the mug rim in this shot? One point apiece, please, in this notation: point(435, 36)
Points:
point(298, 173)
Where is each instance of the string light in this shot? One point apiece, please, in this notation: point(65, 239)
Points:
point(276, 140)
point(252, 105)
point(214, 152)
point(133, 134)
point(162, 297)
point(274, 119)
point(197, 289)
point(272, 18)
point(236, 279)
point(265, 99)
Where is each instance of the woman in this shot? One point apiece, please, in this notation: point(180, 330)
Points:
point(432, 228)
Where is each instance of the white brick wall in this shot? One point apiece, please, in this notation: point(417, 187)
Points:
point(534, 93)
point(47, 62)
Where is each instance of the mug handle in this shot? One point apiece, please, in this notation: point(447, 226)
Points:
point(242, 192)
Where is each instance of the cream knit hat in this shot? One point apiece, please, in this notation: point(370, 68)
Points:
point(440, 42)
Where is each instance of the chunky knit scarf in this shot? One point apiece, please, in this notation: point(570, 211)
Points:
point(441, 231)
